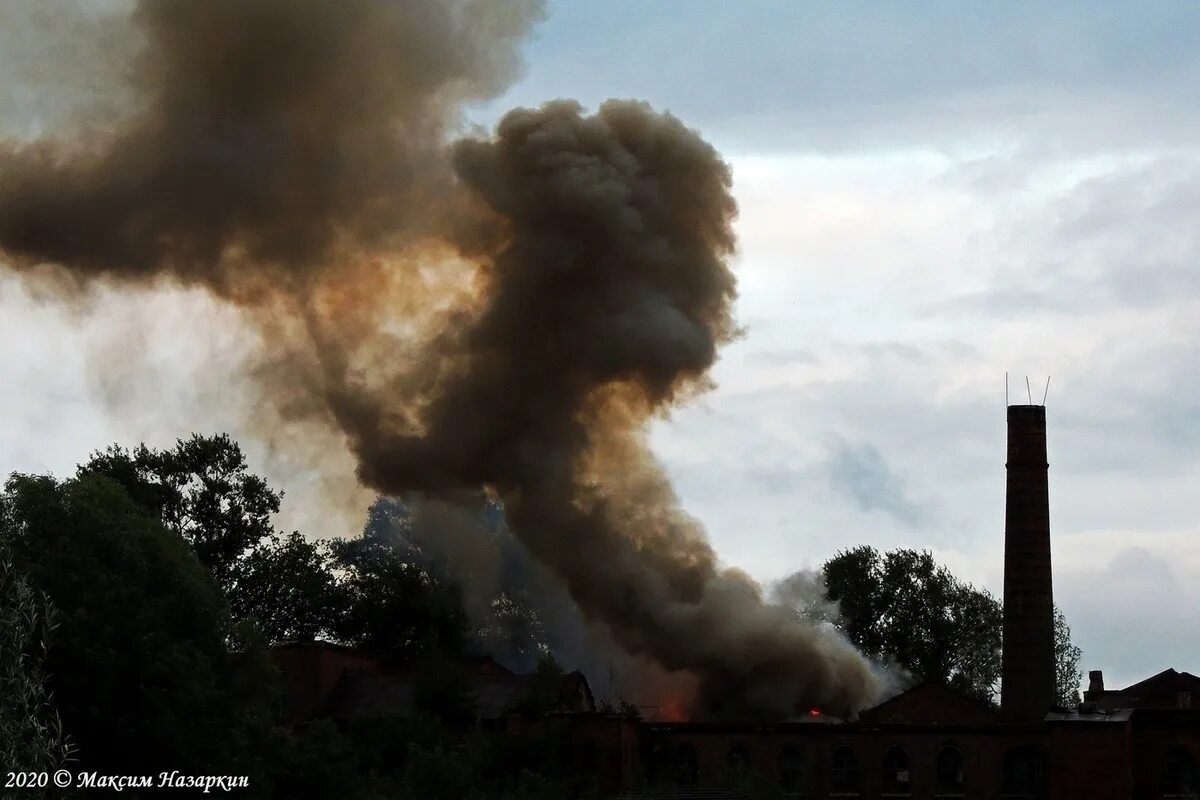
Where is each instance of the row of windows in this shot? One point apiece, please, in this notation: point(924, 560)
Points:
point(1024, 773)
point(1024, 770)
point(845, 775)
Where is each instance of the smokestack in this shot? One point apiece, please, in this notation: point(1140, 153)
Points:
point(1027, 676)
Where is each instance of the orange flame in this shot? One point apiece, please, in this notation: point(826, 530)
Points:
point(672, 711)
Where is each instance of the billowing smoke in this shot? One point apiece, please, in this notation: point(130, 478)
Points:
point(520, 611)
point(508, 311)
point(806, 593)
point(266, 135)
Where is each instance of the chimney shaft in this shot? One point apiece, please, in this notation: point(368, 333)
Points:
point(1027, 670)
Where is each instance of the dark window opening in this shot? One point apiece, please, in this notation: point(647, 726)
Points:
point(738, 758)
point(895, 772)
point(949, 773)
point(845, 772)
point(791, 770)
point(687, 766)
point(1182, 779)
point(1024, 773)
point(658, 764)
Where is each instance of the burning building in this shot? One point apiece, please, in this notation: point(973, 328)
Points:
point(507, 310)
point(929, 741)
point(510, 310)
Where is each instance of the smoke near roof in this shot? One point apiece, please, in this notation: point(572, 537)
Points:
point(506, 311)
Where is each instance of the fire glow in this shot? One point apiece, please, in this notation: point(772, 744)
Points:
point(312, 191)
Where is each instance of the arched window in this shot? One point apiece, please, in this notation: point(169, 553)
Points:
point(1024, 773)
point(895, 772)
point(845, 772)
point(738, 758)
point(1182, 778)
point(687, 766)
point(949, 773)
point(791, 770)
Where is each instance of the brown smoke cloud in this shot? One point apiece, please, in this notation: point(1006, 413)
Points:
point(508, 311)
point(268, 136)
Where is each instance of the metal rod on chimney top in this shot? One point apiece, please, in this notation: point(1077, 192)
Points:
point(1006, 390)
point(1028, 391)
point(1047, 390)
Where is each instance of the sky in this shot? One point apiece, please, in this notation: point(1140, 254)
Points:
point(931, 196)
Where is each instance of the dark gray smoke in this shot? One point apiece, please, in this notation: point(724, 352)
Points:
point(510, 311)
point(519, 611)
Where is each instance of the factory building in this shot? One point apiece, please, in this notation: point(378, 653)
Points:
point(1140, 742)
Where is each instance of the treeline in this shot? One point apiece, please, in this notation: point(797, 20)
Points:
point(137, 602)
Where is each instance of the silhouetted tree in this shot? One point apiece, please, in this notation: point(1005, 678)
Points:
point(323, 759)
point(1067, 658)
point(141, 665)
point(506, 621)
point(202, 490)
point(31, 734)
point(440, 773)
point(393, 606)
point(170, 581)
point(380, 591)
point(514, 628)
point(903, 606)
point(288, 587)
point(543, 695)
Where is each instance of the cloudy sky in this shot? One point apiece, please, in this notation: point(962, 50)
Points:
point(931, 196)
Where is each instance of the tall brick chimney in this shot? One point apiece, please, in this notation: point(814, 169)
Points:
point(1027, 670)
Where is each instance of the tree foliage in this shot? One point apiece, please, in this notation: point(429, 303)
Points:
point(289, 588)
point(170, 580)
point(1067, 657)
point(202, 490)
point(31, 734)
point(496, 579)
point(902, 606)
point(543, 696)
point(140, 667)
point(370, 592)
point(398, 609)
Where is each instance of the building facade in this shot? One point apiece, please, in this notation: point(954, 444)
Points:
point(1140, 742)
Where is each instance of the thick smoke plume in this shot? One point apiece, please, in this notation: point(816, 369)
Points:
point(268, 135)
point(508, 311)
point(519, 610)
